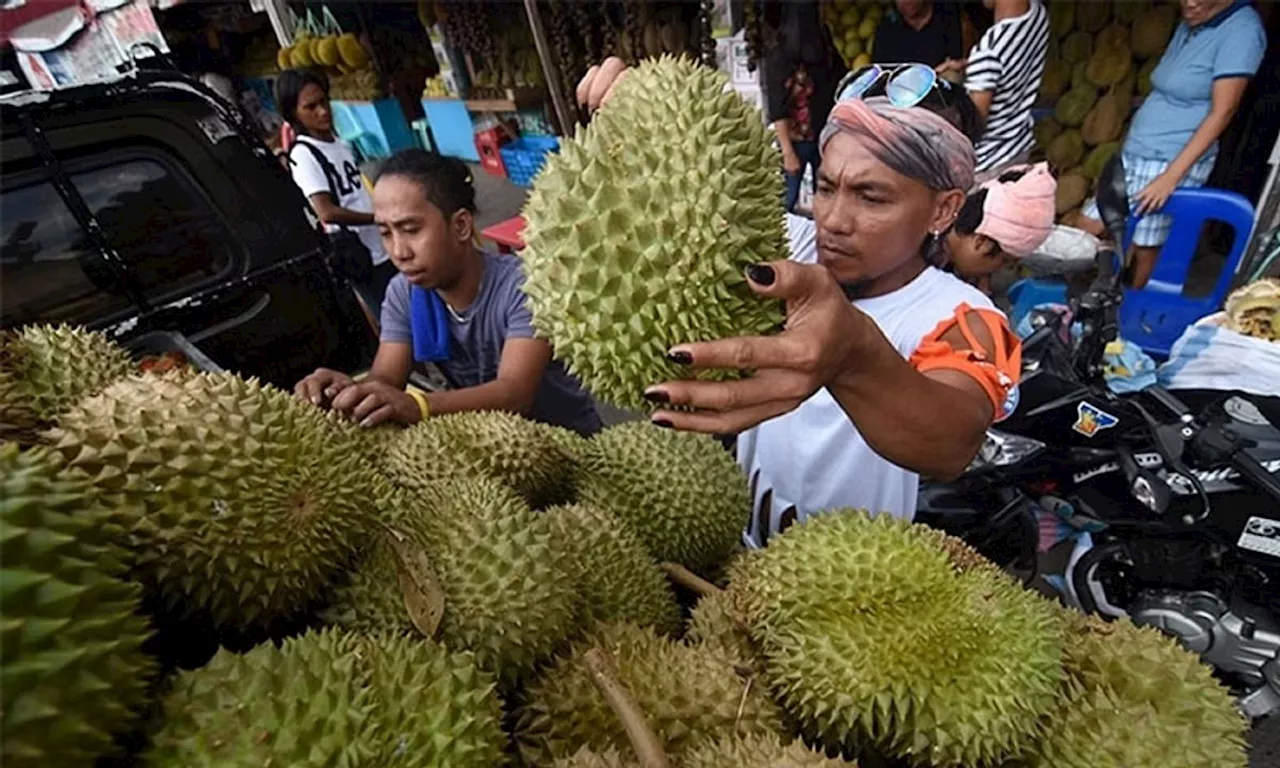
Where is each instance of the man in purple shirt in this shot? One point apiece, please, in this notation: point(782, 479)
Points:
point(451, 305)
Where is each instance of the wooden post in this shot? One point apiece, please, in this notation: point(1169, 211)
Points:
point(550, 69)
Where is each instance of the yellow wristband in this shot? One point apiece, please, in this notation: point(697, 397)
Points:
point(424, 407)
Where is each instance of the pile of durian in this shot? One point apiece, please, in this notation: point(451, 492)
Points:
point(1097, 70)
point(482, 590)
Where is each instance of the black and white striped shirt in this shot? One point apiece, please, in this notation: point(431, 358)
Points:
point(1008, 61)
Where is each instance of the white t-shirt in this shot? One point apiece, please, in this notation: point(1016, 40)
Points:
point(1009, 61)
point(310, 178)
point(813, 459)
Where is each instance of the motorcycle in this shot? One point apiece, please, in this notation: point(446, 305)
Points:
point(1179, 505)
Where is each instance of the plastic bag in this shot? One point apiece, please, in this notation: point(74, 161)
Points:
point(1065, 251)
point(1209, 356)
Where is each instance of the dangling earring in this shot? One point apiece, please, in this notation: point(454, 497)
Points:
point(934, 250)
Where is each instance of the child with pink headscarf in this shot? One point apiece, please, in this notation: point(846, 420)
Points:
point(1002, 221)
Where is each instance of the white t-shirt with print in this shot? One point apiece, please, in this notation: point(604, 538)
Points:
point(352, 195)
point(813, 459)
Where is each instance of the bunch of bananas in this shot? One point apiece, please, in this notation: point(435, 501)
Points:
point(435, 88)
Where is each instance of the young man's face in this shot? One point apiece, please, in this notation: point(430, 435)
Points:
point(871, 219)
point(425, 246)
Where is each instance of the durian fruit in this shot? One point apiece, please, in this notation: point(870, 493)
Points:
point(616, 576)
point(509, 589)
point(716, 622)
point(681, 493)
point(640, 228)
point(248, 500)
point(524, 455)
point(1080, 76)
point(1108, 66)
point(1056, 78)
point(1066, 151)
point(873, 637)
point(587, 758)
point(1134, 697)
point(1105, 122)
point(1092, 16)
point(1077, 47)
point(1046, 130)
point(1151, 30)
point(1125, 13)
point(759, 751)
point(74, 672)
point(45, 369)
point(1073, 188)
point(1074, 106)
point(1116, 34)
point(1098, 157)
point(686, 693)
point(1062, 18)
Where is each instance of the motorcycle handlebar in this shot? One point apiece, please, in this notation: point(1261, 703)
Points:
point(1247, 466)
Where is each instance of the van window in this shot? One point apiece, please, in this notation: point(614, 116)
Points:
point(46, 262)
point(158, 223)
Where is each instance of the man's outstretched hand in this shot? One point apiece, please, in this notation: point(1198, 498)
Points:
point(320, 387)
point(815, 350)
point(597, 85)
point(368, 403)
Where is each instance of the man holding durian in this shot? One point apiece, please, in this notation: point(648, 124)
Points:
point(452, 305)
point(888, 368)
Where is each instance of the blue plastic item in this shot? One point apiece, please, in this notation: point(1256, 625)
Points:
point(525, 156)
point(451, 127)
point(379, 127)
point(1154, 316)
point(1028, 293)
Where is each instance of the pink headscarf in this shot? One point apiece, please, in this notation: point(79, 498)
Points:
point(1019, 214)
point(913, 141)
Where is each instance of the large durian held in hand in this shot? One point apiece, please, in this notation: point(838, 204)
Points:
point(72, 670)
point(249, 501)
point(639, 229)
point(46, 369)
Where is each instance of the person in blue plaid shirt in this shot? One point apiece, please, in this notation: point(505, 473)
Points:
point(1173, 139)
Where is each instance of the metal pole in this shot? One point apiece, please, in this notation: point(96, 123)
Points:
point(281, 21)
point(550, 68)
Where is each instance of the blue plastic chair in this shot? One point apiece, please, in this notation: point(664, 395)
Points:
point(1154, 316)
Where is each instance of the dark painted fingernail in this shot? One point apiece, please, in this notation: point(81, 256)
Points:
point(761, 274)
point(657, 396)
point(663, 423)
point(680, 357)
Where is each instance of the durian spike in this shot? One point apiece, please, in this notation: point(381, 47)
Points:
point(689, 580)
point(643, 740)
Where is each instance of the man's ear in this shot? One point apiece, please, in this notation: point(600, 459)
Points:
point(463, 225)
point(946, 209)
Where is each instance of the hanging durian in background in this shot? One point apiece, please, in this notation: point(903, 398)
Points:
point(640, 228)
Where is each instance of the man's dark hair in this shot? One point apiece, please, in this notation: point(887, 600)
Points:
point(446, 181)
point(970, 216)
point(289, 87)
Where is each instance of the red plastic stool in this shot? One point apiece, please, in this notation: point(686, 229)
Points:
point(489, 143)
point(506, 234)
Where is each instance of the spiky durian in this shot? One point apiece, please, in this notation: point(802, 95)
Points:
point(681, 493)
point(873, 637)
point(639, 230)
point(758, 751)
point(586, 758)
point(249, 503)
point(71, 640)
point(331, 698)
point(523, 454)
point(1132, 697)
point(46, 369)
point(715, 622)
point(686, 693)
point(616, 576)
point(509, 590)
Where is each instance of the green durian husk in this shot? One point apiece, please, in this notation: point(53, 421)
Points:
point(535, 460)
point(618, 579)
point(509, 587)
point(71, 641)
point(759, 751)
point(587, 758)
point(331, 698)
point(46, 369)
point(681, 493)
point(248, 500)
point(1133, 696)
point(640, 228)
point(715, 622)
point(686, 693)
point(938, 664)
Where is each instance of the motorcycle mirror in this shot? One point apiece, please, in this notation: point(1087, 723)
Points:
point(1145, 486)
point(1113, 198)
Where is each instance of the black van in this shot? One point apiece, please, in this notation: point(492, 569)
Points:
point(150, 204)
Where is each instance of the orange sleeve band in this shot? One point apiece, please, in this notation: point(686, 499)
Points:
point(997, 374)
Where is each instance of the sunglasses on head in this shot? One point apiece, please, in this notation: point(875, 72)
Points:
point(905, 85)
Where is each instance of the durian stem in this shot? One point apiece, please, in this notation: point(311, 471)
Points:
point(643, 740)
point(689, 580)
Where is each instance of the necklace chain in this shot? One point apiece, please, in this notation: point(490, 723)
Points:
point(459, 319)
